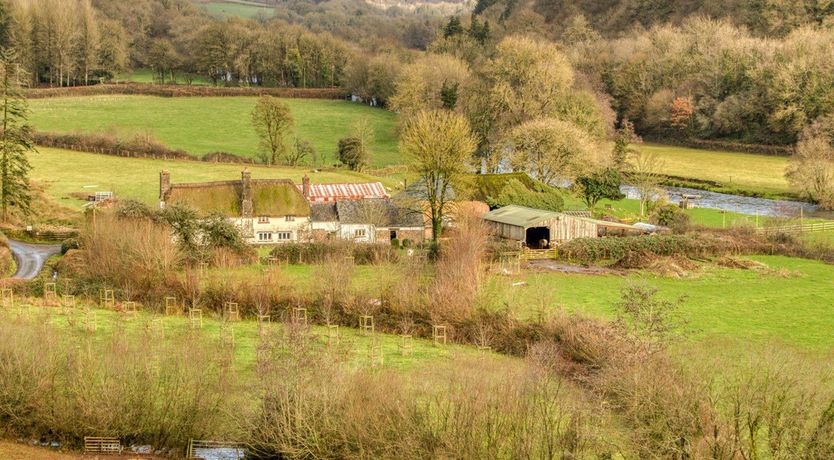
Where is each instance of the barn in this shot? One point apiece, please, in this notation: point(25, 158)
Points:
point(537, 228)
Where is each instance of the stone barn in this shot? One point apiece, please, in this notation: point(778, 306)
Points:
point(537, 228)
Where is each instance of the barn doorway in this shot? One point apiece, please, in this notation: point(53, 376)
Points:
point(538, 237)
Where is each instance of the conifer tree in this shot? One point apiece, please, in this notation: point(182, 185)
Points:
point(15, 138)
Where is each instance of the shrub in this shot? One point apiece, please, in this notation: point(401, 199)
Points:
point(320, 252)
point(160, 392)
point(670, 215)
point(696, 245)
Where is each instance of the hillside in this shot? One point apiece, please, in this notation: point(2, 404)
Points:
point(610, 17)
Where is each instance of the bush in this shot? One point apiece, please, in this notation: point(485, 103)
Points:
point(320, 252)
point(140, 388)
point(670, 215)
point(695, 245)
point(395, 243)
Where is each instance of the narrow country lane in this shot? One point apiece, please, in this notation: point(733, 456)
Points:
point(30, 258)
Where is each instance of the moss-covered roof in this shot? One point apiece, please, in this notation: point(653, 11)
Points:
point(208, 197)
point(278, 197)
point(270, 197)
point(490, 185)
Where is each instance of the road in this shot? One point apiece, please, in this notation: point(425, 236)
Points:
point(30, 257)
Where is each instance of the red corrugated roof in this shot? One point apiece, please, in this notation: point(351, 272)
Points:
point(321, 193)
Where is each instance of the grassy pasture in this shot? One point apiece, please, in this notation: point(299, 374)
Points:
point(65, 173)
point(236, 8)
point(148, 76)
point(763, 174)
point(246, 336)
point(790, 301)
point(211, 124)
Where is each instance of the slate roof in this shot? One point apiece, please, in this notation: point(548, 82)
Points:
point(379, 212)
point(323, 212)
point(341, 192)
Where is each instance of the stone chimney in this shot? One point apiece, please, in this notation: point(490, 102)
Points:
point(305, 186)
point(246, 193)
point(164, 185)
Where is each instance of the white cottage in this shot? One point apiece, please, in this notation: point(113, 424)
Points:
point(267, 211)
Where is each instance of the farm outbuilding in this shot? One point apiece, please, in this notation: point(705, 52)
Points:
point(537, 228)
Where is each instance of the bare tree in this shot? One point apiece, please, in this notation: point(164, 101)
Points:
point(439, 145)
point(645, 176)
point(273, 122)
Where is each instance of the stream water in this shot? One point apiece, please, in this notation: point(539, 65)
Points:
point(733, 203)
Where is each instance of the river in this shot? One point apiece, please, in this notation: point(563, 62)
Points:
point(733, 203)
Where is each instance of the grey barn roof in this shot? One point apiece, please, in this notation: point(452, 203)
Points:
point(520, 216)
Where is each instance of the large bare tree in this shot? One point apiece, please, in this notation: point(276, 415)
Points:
point(273, 122)
point(439, 145)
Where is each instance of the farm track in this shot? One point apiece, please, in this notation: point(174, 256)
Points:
point(30, 258)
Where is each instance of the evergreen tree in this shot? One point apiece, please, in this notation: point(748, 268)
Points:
point(453, 28)
point(449, 95)
point(623, 141)
point(15, 138)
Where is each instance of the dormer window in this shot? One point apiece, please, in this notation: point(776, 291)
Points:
point(290, 218)
point(263, 219)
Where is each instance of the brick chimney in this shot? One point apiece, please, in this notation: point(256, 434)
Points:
point(164, 185)
point(305, 186)
point(246, 193)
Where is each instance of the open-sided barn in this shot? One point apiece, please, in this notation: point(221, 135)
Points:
point(538, 228)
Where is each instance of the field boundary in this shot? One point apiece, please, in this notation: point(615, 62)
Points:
point(718, 145)
point(149, 89)
point(800, 228)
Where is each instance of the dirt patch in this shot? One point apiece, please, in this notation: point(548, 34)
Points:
point(739, 263)
point(674, 266)
point(562, 267)
point(10, 450)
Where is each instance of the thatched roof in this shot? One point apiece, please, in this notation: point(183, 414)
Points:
point(270, 197)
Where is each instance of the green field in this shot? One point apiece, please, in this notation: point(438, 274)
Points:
point(246, 336)
point(148, 76)
point(212, 124)
point(236, 8)
point(764, 174)
point(67, 173)
point(789, 301)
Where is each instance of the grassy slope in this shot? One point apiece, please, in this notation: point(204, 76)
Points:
point(225, 9)
point(210, 124)
point(65, 172)
point(761, 173)
point(246, 337)
point(791, 303)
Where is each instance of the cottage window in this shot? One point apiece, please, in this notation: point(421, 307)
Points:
point(264, 236)
point(283, 236)
point(263, 219)
point(290, 218)
point(359, 233)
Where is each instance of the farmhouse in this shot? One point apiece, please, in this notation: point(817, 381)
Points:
point(537, 228)
point(265, 210)
point(366, 221)
point(331, 193)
